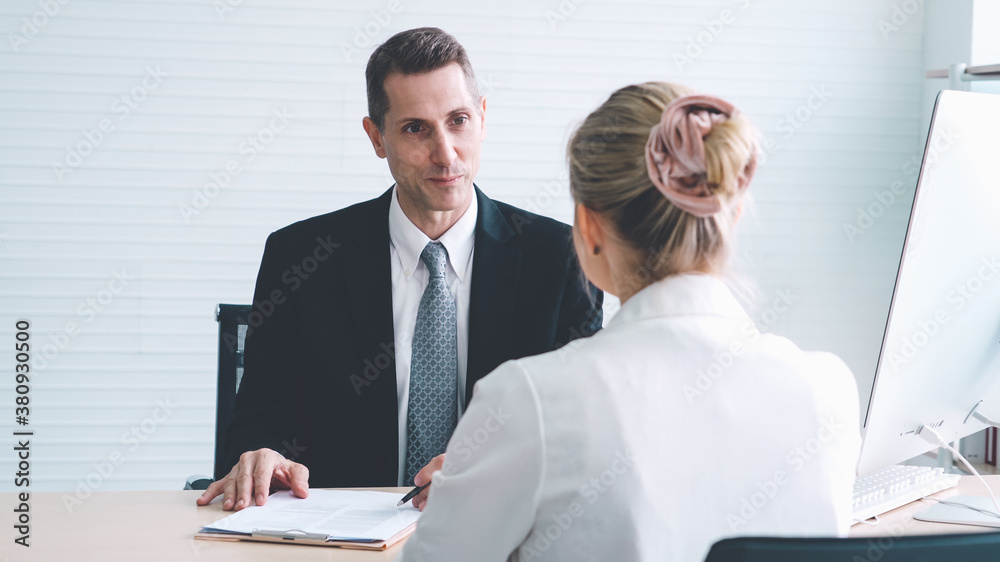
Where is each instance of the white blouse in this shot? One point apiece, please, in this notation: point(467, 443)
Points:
point(677, 425)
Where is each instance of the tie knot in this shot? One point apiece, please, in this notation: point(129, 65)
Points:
point(435, 256)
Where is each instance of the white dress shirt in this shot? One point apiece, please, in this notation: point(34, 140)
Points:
point(409, 279)
point(677, 425)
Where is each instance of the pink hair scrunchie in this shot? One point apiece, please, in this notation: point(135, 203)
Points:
point(675, 153)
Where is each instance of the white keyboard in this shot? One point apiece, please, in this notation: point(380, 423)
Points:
point(896, 486)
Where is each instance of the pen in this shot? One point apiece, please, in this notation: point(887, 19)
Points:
point(413, 493)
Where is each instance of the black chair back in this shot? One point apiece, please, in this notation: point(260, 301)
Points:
point(970, 547)
point(232, 320)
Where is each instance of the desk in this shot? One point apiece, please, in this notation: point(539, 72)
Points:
point(145, 526)
point(161, 525)
point(900, 521)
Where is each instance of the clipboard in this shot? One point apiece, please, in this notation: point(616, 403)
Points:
point(353, 519)
point(295, 536)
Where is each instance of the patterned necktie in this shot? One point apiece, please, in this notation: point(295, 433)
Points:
point(433, 410)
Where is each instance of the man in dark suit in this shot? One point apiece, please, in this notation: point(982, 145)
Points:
point(378, 319)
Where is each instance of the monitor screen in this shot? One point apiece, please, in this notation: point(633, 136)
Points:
point(941, 348)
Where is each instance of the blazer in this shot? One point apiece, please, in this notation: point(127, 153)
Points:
point(676, 425)
point(319, 382)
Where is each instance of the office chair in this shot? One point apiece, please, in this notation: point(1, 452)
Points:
point(232, 319)
point(971, 547)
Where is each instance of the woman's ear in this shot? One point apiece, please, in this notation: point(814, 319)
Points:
point(591, 230)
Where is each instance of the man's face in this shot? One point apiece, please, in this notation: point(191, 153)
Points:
point(432, 138)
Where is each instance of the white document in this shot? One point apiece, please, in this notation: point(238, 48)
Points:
point(344, 515)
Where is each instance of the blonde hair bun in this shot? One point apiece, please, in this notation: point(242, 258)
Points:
point(667, 167)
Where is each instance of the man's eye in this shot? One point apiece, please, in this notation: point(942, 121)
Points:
point(461, 120)
point(414, 128)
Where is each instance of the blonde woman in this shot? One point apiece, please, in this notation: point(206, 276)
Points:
point(679, 423)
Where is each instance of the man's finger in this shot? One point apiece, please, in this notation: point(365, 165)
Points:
point(213, 490)
point(292, 475)
point(262, 479)
point(229, 488)
point(244, 485)
point(298, 479)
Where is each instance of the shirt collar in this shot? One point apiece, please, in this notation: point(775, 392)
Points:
point(410, 241)
point(682, 295)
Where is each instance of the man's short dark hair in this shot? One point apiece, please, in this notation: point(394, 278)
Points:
point(413, 51)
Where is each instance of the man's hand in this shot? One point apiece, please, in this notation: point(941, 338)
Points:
point(253, 477)
point(424, 477)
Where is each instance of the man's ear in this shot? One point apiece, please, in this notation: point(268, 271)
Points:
point(482, 115)
point(590, 228)
point(375, 136)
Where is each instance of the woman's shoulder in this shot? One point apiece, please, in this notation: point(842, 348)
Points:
point(780, 348)
point(825, 373)
point(560, 375)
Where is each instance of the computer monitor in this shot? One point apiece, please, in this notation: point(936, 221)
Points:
point(941, 349)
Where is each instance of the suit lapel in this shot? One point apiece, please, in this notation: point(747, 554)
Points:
point(368, 277)
point(496, 268)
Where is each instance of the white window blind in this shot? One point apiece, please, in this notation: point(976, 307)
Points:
point(147, 148)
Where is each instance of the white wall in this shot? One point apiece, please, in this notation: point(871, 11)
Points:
point(66, 237)
point(985, 41)
point(985, 48)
